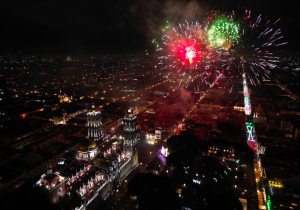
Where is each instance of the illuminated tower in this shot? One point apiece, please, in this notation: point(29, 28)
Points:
point(246, 96)
point(130, 136)
point(94, 124)
point(251, 137)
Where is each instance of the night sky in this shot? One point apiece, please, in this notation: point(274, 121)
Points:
point(115, 26)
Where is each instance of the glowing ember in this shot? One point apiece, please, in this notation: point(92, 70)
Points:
point(164, 151)
point(190, 54)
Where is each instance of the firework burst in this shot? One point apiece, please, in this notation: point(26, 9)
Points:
point(203, 50)
point(184, 45)
point(185, 49)
point(223, 33)
point(261, 41)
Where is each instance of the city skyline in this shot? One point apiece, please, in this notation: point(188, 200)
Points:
point(149, 105)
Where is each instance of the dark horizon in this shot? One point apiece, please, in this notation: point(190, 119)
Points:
point(121, 27)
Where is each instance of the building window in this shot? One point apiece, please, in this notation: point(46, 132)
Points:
point(83, 192)
point(59, 191)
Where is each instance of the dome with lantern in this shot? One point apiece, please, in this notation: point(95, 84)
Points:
point(50, 180)
point(87, 150)
point(86, 145)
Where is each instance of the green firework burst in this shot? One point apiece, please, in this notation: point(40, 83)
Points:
point(223, 33)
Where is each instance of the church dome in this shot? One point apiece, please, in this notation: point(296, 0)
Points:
point(87, 144)
point(50, 180)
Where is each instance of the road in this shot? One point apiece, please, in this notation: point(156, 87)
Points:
point(147, 152)
point(192, 110)
point(257, 168)
point(260, 195)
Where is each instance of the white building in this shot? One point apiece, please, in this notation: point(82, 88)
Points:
point(94, 124)
point(87, 150)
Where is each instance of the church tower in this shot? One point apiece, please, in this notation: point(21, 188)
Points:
point(130, 136)
point(94, 124)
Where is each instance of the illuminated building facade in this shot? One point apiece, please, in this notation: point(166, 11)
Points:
point(94, 124)
point(151, 138)
point(87, 150)
point(97, 169)
point(130, 132)
point(130, 139)
point(55, 184)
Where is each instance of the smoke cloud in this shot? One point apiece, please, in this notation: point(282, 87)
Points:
point(185, 95)
point(152, 14)
point(181, 11)
point(177, 102)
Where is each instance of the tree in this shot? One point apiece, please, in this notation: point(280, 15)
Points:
point(219, 154)
point(180, 158)
point(227, 201)
point(31, 198)
point(190, 142)
point(153, 192)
